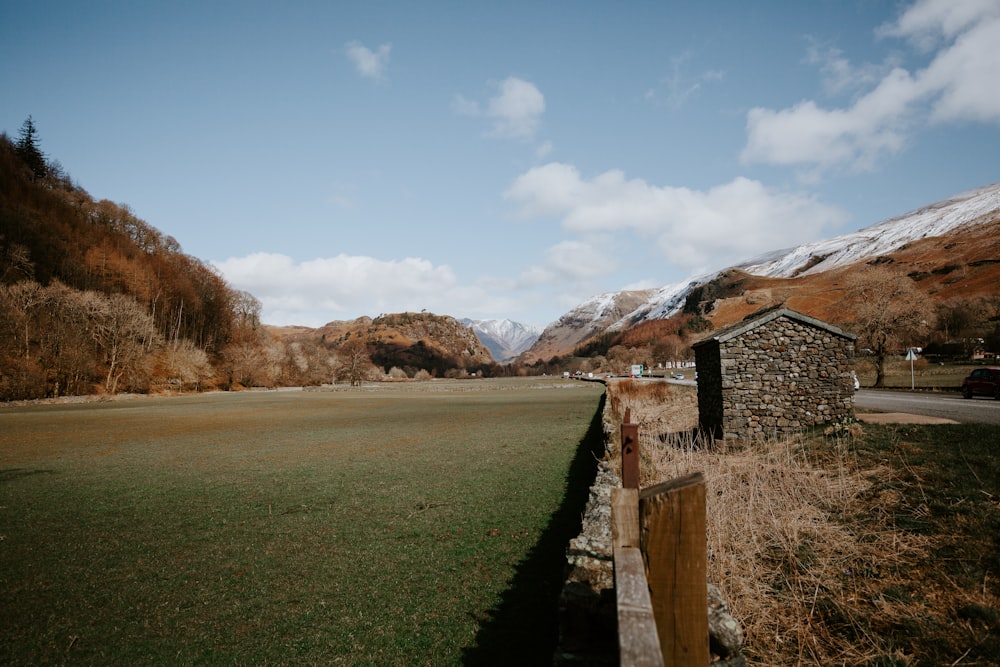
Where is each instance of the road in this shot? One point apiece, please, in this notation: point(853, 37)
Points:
point(948, 406)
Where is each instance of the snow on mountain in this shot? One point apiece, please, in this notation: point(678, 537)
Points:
point(664, 302)
point(884, 237)
point(505, 339)
point(881, 238)
point(591, 317)
point(605, 312)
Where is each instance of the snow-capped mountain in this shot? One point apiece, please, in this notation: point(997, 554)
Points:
point(592, 317)
point(968, 208)
point(610, 312)
point(934, 220)
point(504, 339)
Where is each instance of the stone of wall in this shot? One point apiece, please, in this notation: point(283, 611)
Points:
point(783, 376)
point(587, 610)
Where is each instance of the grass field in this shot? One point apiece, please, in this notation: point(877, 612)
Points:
point(381, 526)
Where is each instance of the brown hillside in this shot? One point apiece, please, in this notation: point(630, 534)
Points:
point(963, 264)
point(435, 343)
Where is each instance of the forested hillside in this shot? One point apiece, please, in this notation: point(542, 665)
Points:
point(93, 299)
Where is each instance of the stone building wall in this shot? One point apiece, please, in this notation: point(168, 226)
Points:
point(785, 374)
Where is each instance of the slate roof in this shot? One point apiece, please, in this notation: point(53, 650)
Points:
point(762, 317)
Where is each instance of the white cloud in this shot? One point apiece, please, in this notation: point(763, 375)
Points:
point(543, 150)
point(695, 230)
point(808, 134)
point(342, 195)
point(516, 110)
point(966, 76)
point(927, 21)
point(679, 86)
point(569, 262)
point(344, 287)
point(959, 84)
point(547, 190)
point(840, 76)
point(370, 64)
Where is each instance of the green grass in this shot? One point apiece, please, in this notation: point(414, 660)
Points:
point(356, 528)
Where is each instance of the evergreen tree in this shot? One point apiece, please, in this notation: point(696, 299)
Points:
point(27, 149)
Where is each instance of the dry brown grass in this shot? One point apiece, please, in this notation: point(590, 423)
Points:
point(804, 580)
point(658, 407)
point(799, 579)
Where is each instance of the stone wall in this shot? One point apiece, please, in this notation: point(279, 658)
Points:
point(588, 634)
point(778, 377)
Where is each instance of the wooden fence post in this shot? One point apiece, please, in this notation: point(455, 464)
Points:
point(672, 533)
point(630, 452)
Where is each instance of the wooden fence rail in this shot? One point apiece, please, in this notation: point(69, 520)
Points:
point(658, 538)
point(638, 642)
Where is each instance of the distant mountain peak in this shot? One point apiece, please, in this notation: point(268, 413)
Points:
point(504, 338)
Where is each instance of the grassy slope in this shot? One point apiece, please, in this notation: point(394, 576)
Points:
point(279, 528)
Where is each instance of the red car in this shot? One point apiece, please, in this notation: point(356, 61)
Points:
point(982, 382)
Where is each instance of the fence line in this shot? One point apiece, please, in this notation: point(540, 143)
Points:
point(658, 536)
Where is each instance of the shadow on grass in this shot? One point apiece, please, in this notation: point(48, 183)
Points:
point(523, 629)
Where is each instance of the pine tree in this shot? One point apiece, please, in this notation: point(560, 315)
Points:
point(27, 149)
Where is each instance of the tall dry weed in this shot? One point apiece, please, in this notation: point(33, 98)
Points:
point(805, 580)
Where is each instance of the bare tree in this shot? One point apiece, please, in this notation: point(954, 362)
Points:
point(245, 355)
point(183, 364)
point(121, 327)
point(15, 261)
point(354, 361)
point(890, 313)
point(22, 302)
point(65, 349)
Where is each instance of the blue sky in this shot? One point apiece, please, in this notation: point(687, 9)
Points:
point(502, 159)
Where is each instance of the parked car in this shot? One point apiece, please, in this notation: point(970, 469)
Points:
point(982, 382)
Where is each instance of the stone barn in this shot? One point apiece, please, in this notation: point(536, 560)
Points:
point(776, 371)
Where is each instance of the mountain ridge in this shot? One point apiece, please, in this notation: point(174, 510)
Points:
point(960, 214)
